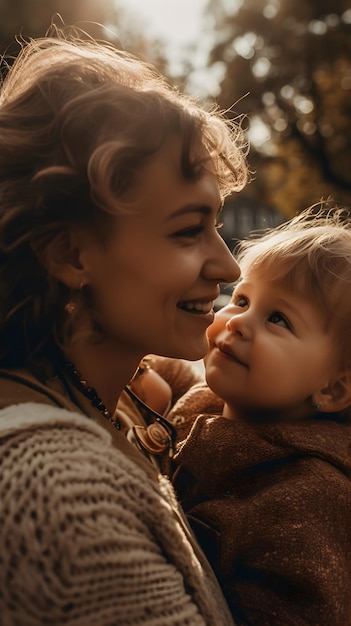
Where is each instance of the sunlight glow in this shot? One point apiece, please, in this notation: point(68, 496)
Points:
point(180, 26)
point(259, 132)
point(175, 21)
point(261, 67)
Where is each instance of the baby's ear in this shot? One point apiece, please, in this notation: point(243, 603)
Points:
point(336, 396)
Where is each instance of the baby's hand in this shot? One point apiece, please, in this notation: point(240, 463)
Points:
point(152, 389)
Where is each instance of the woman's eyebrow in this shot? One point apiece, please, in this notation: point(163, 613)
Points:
point(196, 207)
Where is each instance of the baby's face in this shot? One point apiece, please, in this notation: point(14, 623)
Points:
point(269, 350)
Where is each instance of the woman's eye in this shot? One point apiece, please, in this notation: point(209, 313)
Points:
point(191, 232)
point(279, 319)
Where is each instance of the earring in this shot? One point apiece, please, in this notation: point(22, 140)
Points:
point(70, 307)
point(316, 405)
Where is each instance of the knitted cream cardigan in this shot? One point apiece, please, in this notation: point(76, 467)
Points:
point(86, 538)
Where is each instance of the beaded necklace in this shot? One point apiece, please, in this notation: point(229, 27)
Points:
point(89, 392)
point(156, 438)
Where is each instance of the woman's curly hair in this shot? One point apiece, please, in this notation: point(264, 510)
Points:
point(78, 119)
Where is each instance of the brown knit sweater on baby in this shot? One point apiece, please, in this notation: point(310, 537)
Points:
point(271, 506)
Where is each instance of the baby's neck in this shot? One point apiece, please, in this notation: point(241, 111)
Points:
point(267, 416)
point(229, 412)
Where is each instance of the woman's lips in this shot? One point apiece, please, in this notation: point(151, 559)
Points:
point(197, 306)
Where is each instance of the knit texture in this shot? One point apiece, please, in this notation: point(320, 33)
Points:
point(86, 538)
point(198, 399)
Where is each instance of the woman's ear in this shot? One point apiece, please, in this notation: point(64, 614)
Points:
point(336, 396)
point(61, 257)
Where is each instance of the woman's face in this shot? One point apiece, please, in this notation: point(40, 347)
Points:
point(155, 279)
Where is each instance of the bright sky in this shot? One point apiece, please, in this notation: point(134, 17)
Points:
point(174, 20)
point(177, 22)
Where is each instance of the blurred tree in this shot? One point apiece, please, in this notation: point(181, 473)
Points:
point(134, 37)
point(291, 60)
point(32, 18)
point(103, 19)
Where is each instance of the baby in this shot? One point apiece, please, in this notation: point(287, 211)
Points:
point(263, 470)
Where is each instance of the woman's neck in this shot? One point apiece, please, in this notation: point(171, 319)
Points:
point(104, 369)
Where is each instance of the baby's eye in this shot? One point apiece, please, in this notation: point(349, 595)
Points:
point(279, 319)
point(240, 301)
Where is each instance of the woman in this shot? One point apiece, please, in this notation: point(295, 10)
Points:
point(110, 187)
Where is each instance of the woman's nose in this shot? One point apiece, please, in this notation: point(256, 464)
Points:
point(222, 266)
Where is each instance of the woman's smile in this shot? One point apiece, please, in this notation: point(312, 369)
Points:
point(197, 307)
